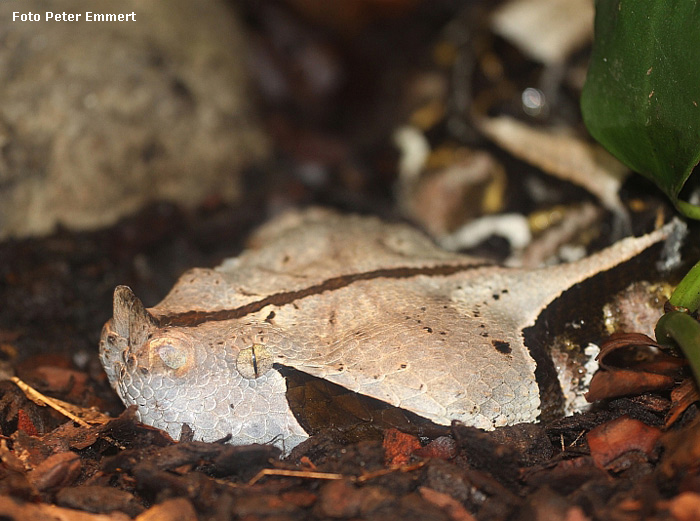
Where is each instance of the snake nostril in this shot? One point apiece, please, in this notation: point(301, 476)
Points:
point(129, 361)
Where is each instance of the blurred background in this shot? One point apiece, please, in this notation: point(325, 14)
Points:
point(131, 151)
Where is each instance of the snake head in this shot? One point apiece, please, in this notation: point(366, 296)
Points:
point(216, 377)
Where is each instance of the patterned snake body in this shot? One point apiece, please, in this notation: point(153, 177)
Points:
point(374, 308)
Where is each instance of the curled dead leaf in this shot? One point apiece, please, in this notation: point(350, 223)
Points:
point(632, 363)
point(682, 397)
point(621, 382)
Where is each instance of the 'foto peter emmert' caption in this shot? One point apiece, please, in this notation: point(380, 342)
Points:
point(88, 16)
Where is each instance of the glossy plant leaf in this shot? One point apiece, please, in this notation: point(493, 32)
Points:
point(682, 329)
point(641, 99)
point(687, 293)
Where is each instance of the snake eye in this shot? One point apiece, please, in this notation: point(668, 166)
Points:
point(172, 351)
point(254, 361)
point(172, 356)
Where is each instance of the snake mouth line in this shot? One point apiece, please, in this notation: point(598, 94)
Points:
point(195, 318)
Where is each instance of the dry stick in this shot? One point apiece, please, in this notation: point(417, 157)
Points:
point(310, 474)
point(41, 400)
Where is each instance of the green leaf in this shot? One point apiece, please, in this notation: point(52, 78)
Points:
point(641, 99)
point(684, 330)
point(687, 293)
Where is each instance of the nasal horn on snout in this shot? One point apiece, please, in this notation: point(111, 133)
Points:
point(130, 318)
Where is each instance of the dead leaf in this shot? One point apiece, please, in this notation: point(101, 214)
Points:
point(685, 506)
point(618, 341)
point(566, 157)
point(632, 363)
point(682, 397)
point(682, 449)
point(614, 438)
point(440, 448)
point(12, 509)
point(447, 504)
point(25, 424)
point(398, 447)
point(99, 499)
point(342, 498)
point(622, 382)
point(175, 509)
point(57, 471)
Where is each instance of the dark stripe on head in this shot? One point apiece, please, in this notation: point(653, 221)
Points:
point(195, 318)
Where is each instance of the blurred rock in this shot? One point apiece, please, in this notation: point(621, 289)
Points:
point(99, 118)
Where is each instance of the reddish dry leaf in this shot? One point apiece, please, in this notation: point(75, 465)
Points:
point(614, 438)
point(624, 341)
point(448, 504)
point(178, 509)
point(630, 508)
point(621, 382)
point(581, 463)
point(682, 397)
point(547, 505)
point(339, 499)
point(685, 506)
point(100, 499)
point(25, 424)
point(441, 448)
point(619, 377)
point(663, 364)
point(682, 449)
point(576, 514)
point(57, 471)
point(300, 498)
point(637, 345)
point(398, 447)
